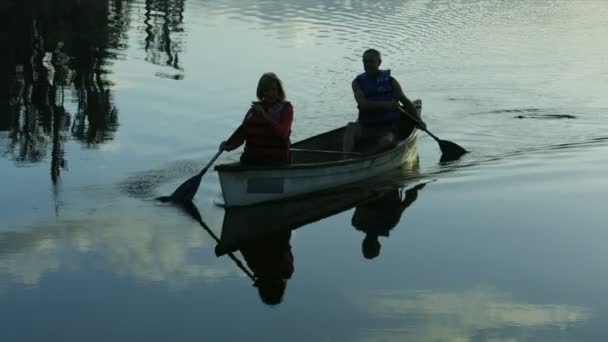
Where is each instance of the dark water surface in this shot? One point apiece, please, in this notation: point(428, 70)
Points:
point(108, 103)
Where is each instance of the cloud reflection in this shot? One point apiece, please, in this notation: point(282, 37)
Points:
point(464, 316)
point(171, 250)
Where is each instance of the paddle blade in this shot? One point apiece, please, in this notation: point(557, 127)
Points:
point(189, 208)
point(185, 192)
point(450, 151)
point(164, 199)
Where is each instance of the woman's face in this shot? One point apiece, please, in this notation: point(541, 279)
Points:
point(270, 93)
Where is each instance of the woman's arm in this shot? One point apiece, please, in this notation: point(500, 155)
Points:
point(238, 137)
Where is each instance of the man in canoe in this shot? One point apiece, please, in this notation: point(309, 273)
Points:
point(380, 100)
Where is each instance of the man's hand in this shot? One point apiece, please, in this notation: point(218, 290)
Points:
point(418, 187)
point(415, 118)
point(412, 194)
point(421, 124)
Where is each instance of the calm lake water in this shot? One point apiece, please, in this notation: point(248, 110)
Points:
point(109, 103)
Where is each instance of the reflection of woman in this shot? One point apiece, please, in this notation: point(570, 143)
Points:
point(376, 218)
point(271, 261)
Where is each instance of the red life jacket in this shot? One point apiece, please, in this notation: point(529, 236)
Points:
point(262, 142)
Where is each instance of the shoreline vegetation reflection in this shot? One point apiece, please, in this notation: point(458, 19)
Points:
point(56, 86)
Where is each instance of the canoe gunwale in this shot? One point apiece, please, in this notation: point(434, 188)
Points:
point(238, 167)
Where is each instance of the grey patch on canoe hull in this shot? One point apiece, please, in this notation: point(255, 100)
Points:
point(265, 185)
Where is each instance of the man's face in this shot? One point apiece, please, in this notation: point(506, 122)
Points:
point(371, 62)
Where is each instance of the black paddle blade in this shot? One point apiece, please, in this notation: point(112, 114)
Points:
point(450, 151)
point(185, 192)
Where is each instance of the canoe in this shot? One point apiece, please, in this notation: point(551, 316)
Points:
point(317, 165)
point(242, 225)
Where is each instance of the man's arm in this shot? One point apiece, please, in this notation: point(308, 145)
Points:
point(411, 195)
point(408, 106)
point(371, 107)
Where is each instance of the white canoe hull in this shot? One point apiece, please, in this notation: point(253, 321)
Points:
point(242, 187)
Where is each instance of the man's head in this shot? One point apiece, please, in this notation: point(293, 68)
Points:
point(371, 61)
point(370, 246)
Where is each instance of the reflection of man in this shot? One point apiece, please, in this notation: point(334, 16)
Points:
point(376, 218)
point(271, 261)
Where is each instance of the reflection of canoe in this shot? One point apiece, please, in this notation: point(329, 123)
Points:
point(316, 165)
point(244, 224)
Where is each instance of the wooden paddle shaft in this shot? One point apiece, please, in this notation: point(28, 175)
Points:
point(417, 122)
point(230, 254)
point(211, 161)
point(325, 151)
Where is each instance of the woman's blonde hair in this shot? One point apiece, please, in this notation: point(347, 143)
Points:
point(265, 81)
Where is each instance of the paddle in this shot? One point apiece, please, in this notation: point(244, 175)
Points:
point(450, 151)
point(326, 151)
point(192, 210)
point(185, 192)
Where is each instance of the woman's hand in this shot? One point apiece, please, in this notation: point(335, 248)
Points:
point(260, 109)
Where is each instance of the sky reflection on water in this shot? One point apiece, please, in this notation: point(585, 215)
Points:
point(100, 113)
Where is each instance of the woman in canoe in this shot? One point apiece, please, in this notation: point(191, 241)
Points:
point(266, 127)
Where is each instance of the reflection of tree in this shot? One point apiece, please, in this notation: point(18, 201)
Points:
point(163, 17)
point(51, 48)
point(95, 120)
